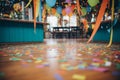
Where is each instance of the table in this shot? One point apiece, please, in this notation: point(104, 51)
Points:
point(67, 32)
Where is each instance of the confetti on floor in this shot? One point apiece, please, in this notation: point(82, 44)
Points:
point(69, 58)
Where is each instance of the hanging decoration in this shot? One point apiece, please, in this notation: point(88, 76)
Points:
point(68, 1)
point(28, 3)
point(36, 4)
point(53, 11)
point(44, 13)
point(38, 8)
point(72, 7)
point(57, 15)
point(59, 9)
point(99, 18)
point(88, 8)
point(93, 25)
point(111, 34)
point(70, 14)
point(48, 9)
point(68, 10)
point(50, 3)
point(93, 3)
point(63, 12)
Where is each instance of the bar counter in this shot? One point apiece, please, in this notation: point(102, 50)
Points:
point(21, 31)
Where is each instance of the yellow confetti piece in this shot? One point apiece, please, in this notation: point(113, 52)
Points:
point(96, 64)
point(76, 67)
point(64, 66)
point(27, 53)
point(34, 58)
point(89, 48)
point(39, 61)
point(78, 77)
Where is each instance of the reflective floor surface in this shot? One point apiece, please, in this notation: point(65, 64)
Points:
point(59, 59)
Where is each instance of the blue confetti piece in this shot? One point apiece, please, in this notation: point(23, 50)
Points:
point(58, 77)
point(81, 66)
point(91, 67)
point(2, 74)
point(70, 68)
point(46, 65)
point(116, 73)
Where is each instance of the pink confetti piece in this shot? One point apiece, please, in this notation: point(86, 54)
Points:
point(39, 66)
point(96, 60)
point(101, 69)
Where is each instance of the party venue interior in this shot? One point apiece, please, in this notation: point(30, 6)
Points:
point(59, 40)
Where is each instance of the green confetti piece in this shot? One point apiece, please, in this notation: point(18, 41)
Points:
point(118, 66)
point(18, 54)
point(62, 60)
point(69, 68)
point(15, 59)
point(2, 74)
point(29, 60)
point(39, 58)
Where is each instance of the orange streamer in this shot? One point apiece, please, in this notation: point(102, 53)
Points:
point(99, 18)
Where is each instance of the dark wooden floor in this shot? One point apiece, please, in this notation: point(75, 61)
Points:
point(59, 59)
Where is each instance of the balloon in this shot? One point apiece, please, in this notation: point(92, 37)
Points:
point(93, 3)
point(72, 7)
point(88, 9)
point(68, 10)
point(63, 12)
point(70, 14)
point(53, 11)
point(84, 11)
point(50, 3)
point(59, 9)
point(57, 15)
point(68, 1)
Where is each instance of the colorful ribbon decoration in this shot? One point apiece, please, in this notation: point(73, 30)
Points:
point(78, 7)
point(111, 35)
point(28, 3)
point(99, 18)
point(38, 8)
point(36, 4)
